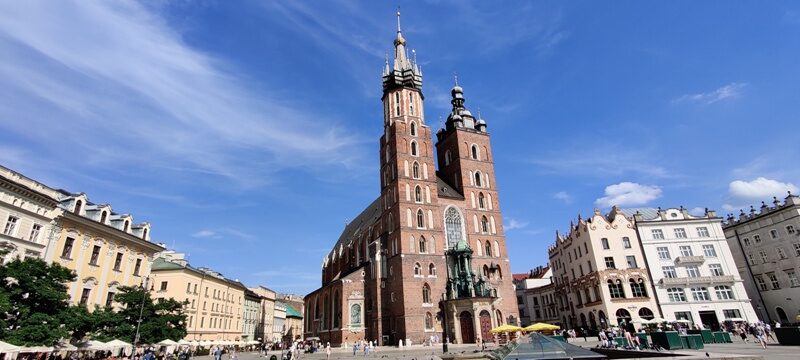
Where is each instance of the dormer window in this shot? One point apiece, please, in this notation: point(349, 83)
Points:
point(78, 206)
point(103, 216)
point(126, 225)
point(144, 234)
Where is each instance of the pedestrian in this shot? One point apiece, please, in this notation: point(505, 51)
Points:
point(743, 333)
point(583, 331)
point(366, 349)
point(759, 332)
point(328, 351)
point(768, 332)
point(355, 348)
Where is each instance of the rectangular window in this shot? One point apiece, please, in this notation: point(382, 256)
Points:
point(774, 281)
point(95, 255)
point(792, 278)
point(716, 270)
point(137, 267)
point(663, 253)
point(757, 239)
point(693, 271)
point(118, 262)
point(189, 287)
point(764, 258)
point(626, 242)
point(709, 251)
point(686, 250)
point(702, 232)
point(676, 295)
point(773, 234)
point(658, 234)
point(790, 229)
point(163, 286)
point(610, 262)
point(669, 272)
point(85, 296)
point(751, 259)
point(762, 285)
point(731, 314)
point(631, 261)
point(35, 230)
point(781, 253)
point(680, 233)
point(110, 299)
point(700, 294)
point(11, 226)
point(604, 241)
point(796, 249)
point(67, 252)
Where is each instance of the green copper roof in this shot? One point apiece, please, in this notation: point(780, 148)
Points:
point(291, 312)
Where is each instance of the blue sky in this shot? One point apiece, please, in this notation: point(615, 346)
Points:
point(247, 132)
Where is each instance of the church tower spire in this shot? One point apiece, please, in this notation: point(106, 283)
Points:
point(404, 71)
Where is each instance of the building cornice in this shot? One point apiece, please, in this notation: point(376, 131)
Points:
point(110, 231)
point(32, 194)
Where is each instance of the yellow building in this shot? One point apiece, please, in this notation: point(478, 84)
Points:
point(215, 303)
point(106, 250)
point(265, 328)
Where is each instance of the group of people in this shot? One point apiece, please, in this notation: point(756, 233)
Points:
point(607, 336)
point(762, 332)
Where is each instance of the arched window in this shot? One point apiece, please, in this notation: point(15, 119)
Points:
point(724, 292)
point(637, 287)
point(486, 271)
point(103, 216)
point(417, 269)
point(78, 206)
point(623, 316)
point(499, 272)
point(478, 178)
point(423, 245)
point(413, 129)
point(432, 270)
point(411, 103)
point(475, 154)
point(447, 157)
point(428, 321)
point(481, 201)
point(397, 104)
point(415, 170)
point(488, 249)
point(144, 234)
point(414, 148)
point(426, 294)
point(335, 310)
point(418, 194)
point(420, 219)
point(646, 314)
point(453, 226)
point(484, 224)
point(615, 289)
point(125, 226)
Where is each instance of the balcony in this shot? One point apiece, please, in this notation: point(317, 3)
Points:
point(689, 260)
point(700, 280)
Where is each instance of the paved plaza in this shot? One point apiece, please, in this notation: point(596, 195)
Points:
point(748, 350)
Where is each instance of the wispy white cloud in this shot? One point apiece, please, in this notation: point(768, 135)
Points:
point(601, 162)
point(743, 193)
point(563, 196)
point(628, 194)
point(730, 91)
point(116, 73)
point(514, 224)
point(223, 233)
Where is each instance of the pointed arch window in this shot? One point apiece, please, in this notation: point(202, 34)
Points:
point(420, 219)
point(426, 294)
point(418, 194)
point(415, 170)
point(413, 128)
point(488, 249)
point(478, 178)
point(432, 270)
point(417, 269)
point(428, 321)
point(423, 245)
point(447, 157)
point(453, 226)
point(414, 151)
point(475, 152)
point(481, 201)
point(486, 271)
point(397, 104)
point(484, 224)
point(411, 103)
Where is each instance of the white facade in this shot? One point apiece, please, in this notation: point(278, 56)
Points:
point(528, 292)
point(766, 246)
point(27, 210)
point(692, 268)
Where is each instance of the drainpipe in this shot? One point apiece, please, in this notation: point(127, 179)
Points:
point(750, 270)
point(649, 273)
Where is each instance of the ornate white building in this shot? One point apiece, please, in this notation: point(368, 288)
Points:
point(692, 267)
point(27, 211)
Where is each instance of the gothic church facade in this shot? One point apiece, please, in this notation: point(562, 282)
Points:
point(427, 259)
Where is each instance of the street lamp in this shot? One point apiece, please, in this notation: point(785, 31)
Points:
point(141, 312)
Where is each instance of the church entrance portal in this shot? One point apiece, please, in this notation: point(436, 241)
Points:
point(486, 325)
point(467, 328)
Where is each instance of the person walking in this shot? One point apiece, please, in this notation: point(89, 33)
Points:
point(355, 348)
point(759, 332)
point(328, 351)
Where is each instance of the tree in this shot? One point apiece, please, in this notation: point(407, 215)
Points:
point(161, 320)
point(34, 302)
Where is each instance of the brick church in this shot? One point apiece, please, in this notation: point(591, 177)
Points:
point(427, 259)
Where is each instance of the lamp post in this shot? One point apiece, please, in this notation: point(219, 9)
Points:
point(141, 312)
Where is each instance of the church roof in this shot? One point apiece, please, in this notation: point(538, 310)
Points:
point(445, 190)
point(362, 222)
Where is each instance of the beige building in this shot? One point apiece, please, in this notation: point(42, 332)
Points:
point(251, 315)
point(264, 331)
point(27, 210)
point(279, 322)
point(535, 293)
point(105, 249)
point(215, 303)
point(765, 244)
point(600, 273)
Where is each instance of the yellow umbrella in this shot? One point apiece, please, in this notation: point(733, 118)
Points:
point(797, 317)
point(505, 328)
point(542, 327)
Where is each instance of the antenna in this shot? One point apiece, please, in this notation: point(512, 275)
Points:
point(455, 76)
point(398, 19)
